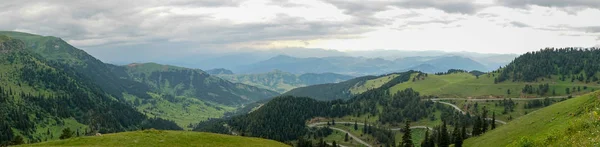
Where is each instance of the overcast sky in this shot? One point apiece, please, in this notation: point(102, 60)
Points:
point(172, 27)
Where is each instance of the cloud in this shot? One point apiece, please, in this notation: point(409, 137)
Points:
point(551, 3)
point(519, 24)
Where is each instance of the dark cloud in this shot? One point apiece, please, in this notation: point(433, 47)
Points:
point(590, 29)
point(367, 8)
point(519, 24)
point(551, 3)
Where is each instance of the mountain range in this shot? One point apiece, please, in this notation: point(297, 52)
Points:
point(284, 81)
point(362, 66)
point(63, 86)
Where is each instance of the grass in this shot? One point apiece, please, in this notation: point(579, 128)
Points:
point(338, 137)
point(372, 84)
point(497, 108)
point(149, 138)
point(183, 112)
point(465, 85)
point(574, 122)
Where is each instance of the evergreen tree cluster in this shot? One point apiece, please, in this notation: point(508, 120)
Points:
point(542, 89)
point(578, 63)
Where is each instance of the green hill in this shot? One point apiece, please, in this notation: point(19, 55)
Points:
point(194, 83)
point(149, 138)
point(40, 97)
point(283, 81)
point(574, 122)
point(49, 85)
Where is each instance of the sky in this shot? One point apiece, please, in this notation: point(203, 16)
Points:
point(121, 28)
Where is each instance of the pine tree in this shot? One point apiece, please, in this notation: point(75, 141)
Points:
point(485, 123)
point(457, 137)
point(67, 133)
point(444, 137)
point(407, 138)
point(425, 141)
point(17, 140)
point(493, 120)
point(346, 138)
point(334, 144)
point(355, 125)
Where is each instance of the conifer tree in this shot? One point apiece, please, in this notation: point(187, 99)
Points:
point(407, 138)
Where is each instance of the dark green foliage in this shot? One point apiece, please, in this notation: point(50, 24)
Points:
point(212, 125)
point(194, 83)
point(578, 63)
point(330, 91)
point(283, 117)
point(346, 138)
point(539, 103)
point(66, 133)
point(61, 91)
point(444, 138)
point(493, 120)
point(405, 105)
point(407, 137)
point(17, 141)
point(457, 137)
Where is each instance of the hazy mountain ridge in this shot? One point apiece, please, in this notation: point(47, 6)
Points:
point(281, 81)
point(362, 66)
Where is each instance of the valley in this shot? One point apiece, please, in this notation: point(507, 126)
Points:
point(68, 90)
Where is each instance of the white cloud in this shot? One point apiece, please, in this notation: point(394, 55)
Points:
point(197, 26)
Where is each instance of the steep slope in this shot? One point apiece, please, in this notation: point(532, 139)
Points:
point(329, 91)
point(195, 83)
point(548, 72)
point(37, 95)
point(567, 63)
point(463, 85)
point(574, 122)
point(283, 81)
point(57, 50)
point(348, 89)
point(149, 138)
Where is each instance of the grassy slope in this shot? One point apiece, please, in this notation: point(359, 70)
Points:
point(467, 85)
point(372, 84)
point(569, 123)
point(162, 138)
point(184, 112)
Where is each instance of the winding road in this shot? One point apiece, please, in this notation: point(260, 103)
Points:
point(321, 124)
point(463, 112)
point(439, 100)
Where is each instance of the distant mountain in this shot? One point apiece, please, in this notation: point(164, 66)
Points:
point(427, 68)
point(283, 81)
point(362, 66)
point(456, 62)
point(219, 71)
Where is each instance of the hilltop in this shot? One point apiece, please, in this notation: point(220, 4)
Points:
point(574, 122)
point(149, 138)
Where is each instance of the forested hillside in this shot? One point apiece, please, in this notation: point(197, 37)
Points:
point(37, 95)
point(57, 50)
point(566, 64)
point(329, 91)
point(281, 81)
point(195, 83)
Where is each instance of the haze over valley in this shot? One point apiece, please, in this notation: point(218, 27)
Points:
point(313, 73)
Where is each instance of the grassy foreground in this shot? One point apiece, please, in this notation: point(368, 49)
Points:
point(163, 138)
point(574, 122)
